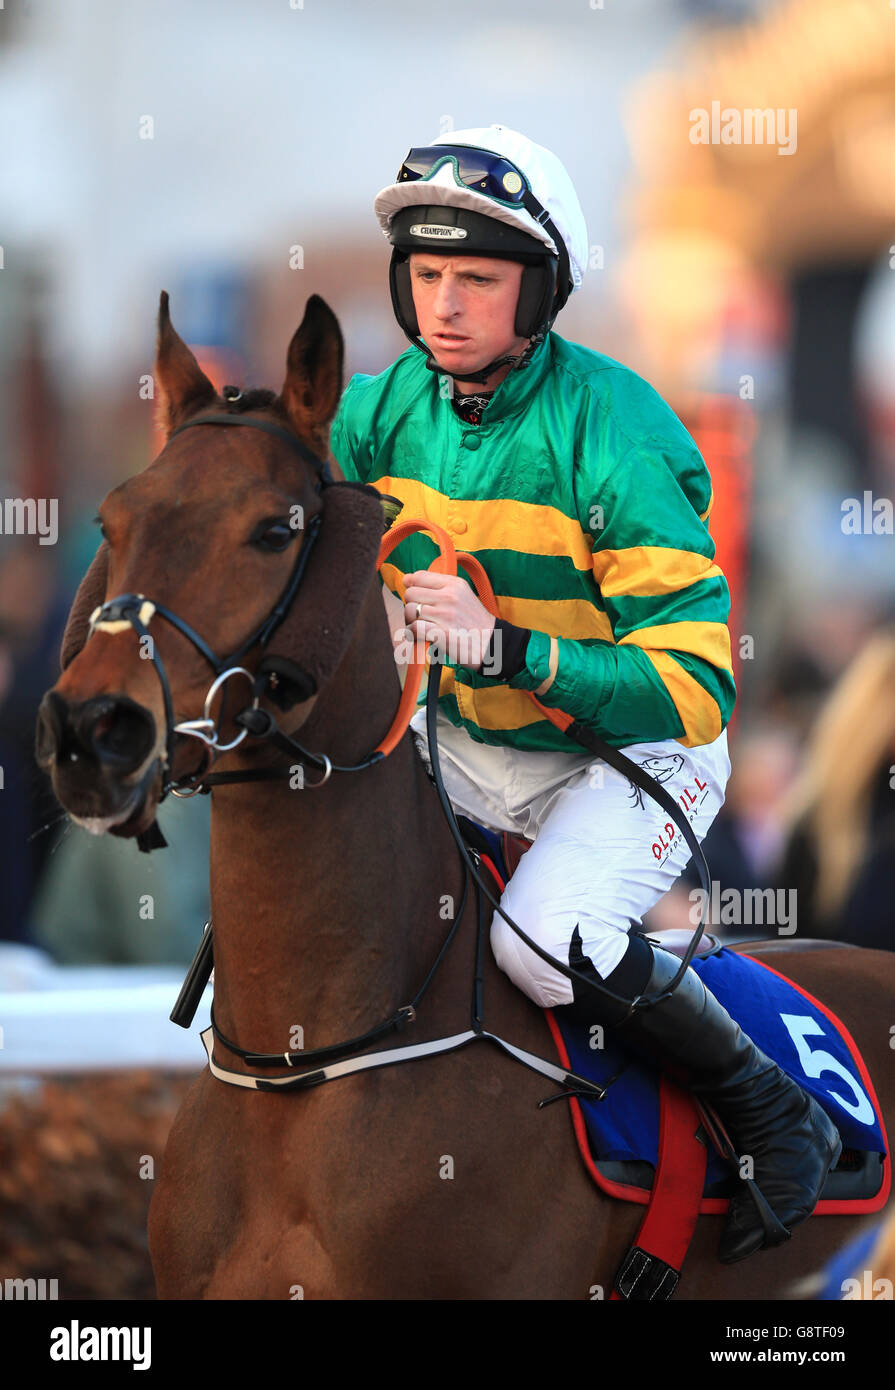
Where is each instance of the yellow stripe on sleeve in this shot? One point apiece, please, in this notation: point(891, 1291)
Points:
point(649, 570)
point(699, 713)
point(711, 641)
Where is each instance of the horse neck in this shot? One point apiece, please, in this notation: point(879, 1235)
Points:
point(325, 903)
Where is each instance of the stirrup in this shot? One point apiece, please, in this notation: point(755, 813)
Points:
point(774, 1230)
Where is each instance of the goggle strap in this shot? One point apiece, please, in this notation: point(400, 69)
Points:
point(543, 219)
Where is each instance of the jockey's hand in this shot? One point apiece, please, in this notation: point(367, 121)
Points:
point(452, 616)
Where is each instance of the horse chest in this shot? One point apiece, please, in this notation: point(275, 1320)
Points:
point(279, 1197)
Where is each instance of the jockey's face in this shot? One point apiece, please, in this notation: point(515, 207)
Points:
point(466, 308)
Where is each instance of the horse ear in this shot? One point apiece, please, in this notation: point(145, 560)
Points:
point(183, 386)
point(313, 382)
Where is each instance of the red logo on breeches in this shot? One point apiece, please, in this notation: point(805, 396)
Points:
point(662, 846)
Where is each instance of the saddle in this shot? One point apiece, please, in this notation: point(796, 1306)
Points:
point(647, 1140)
point(514, 846)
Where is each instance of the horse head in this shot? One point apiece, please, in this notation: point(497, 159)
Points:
point(203, 556)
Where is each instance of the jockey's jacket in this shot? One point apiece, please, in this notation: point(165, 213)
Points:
point(585, 500)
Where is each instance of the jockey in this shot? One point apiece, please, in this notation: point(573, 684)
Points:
point(586, 501)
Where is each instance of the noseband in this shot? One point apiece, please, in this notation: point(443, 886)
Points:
point(135, 612)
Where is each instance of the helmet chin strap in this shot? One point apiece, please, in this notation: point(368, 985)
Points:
point(516, 361)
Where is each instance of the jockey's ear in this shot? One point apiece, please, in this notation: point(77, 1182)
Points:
point(183, 387)
point(314, 365)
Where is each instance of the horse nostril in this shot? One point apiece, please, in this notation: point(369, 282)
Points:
point(118, 732)
point(113, 731)
point(104, 726)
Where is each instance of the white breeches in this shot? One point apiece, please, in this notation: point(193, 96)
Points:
point(603, 851)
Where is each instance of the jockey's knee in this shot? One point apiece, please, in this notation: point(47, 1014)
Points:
point(604, 945)
point(534, 976)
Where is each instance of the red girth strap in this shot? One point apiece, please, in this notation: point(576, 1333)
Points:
point(651, 1269)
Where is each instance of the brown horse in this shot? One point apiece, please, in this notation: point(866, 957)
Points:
point(438, 1178)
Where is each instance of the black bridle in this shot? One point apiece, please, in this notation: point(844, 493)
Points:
point(137, 611)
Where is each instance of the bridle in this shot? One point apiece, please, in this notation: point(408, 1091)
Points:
point(136, 611)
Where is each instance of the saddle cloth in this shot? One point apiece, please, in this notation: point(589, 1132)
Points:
point(619, 1136)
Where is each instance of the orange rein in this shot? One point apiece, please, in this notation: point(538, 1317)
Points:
point(444, 563)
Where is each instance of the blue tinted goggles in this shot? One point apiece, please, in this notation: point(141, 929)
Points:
point(480, 170)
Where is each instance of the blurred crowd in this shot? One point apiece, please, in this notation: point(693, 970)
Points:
point(807, 832)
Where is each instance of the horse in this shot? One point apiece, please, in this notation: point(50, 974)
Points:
point(440, 1178)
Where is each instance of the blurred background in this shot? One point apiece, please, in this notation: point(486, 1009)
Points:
point(230, 153)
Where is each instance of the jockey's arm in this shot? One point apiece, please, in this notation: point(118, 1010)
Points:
point(662, 666)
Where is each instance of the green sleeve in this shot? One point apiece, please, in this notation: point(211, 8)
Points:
point(667, 672)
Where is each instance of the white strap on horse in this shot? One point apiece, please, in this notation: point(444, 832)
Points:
point(389, 1057)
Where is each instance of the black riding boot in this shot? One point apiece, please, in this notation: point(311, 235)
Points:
point(792, 1142)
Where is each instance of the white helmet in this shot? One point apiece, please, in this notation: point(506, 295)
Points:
point(492, 192)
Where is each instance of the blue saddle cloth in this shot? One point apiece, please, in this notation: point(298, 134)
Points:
point(778, 1017)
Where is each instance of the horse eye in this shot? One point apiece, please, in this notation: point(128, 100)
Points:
point(276, 536)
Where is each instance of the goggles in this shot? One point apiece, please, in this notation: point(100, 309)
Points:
point(479, 170)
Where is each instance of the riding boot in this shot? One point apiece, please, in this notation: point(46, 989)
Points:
point(791, 1141)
